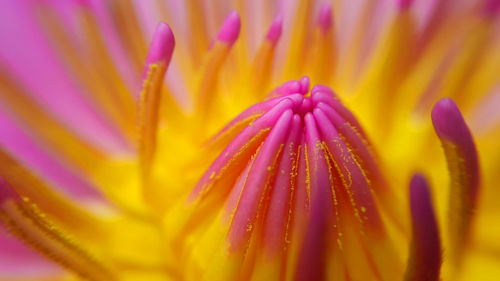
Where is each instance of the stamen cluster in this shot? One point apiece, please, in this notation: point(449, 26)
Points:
point(298, 181)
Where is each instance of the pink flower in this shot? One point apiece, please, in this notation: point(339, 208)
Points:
point(114, 165)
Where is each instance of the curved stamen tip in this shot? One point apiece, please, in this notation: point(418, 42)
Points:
point(419, 194)
point(448, 121)
point(275, 30)
point(404, 5)
point(163, 44)
point(425, 256)
point(325, 21)
point(230, 28)
point(463, 165)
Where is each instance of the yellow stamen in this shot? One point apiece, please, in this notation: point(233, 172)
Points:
point(130, 31)
point(29, 224)
point(261, 69)
point(148, 117)
point(298, 42)
point(209, 76)
point(347, 78)
point(51, 131)
point(104, 85)
point(197, 25)
point(55, 205)
point(323, 56)
point(388, 68)
point(105, 68)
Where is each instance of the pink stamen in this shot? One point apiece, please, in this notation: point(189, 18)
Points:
point(450, 126)
point(280, 202)
point(463, 165)
point(425, 256)
point(275, 30)
point(325, 20)
point(312, 259)
point(161, 48)
point(230, 29)
point(258, 184)
point(448, 121)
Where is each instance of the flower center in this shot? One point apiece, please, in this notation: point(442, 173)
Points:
point(297, 178)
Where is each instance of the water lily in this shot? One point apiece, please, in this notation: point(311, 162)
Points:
point(249, 140)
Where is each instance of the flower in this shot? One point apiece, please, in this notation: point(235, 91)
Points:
point(105, 178)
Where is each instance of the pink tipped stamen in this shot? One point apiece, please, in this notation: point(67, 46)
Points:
point(230, 29)
point(448, 121)
point(451, 128)
point(162, 47)
point(325, 21)
point(463, 165)
point(425, 253)
point(274, 33)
